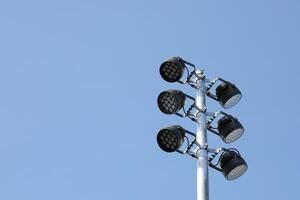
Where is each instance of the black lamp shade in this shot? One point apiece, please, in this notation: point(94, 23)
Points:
point(172, 69)
point(228, 95)
point(169, 102)
point(230, 129)
point(233, 165)
point(170, 139)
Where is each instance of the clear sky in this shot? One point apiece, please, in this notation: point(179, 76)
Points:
point(79, 82)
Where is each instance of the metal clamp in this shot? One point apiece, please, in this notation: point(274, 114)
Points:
point(194, 77)
point(211, 84)
point(215, 152)
point(189, 74)
point(212, 117)
point(189, 145)
point(189, 112)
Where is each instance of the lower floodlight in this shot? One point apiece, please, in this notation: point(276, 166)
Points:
point(230, 129)
point(172, 69)
point(171, 101)
point(233, 165)
point(170, 139)
point(228, 95)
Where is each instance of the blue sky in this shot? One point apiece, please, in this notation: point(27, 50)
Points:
point(79, 82)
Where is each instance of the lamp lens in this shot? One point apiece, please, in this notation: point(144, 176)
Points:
point(232, 101)
point(169, 102)
point(237, 172)
point(172, 70)
point(234, 135)
point(170, 139)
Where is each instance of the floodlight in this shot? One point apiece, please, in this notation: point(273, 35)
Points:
point(228, 94)
point(172, 69)
point(233, 165)
point(170, 138)
point(230, 129)
point(171, 101)
point(177, 139)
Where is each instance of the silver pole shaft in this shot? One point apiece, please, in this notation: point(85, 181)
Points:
point(201, 138)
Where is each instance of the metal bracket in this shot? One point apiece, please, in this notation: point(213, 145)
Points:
point(215, 167)
point(211, 84)
point(189, 74)
point(189, 145)
point(203, 110)
point(215, 152)
point(189, 151)
point(205, 146)
point(188, 113)
point(212, 117)
point(194, 77)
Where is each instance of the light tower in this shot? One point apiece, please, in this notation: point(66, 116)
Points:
point(227, 127)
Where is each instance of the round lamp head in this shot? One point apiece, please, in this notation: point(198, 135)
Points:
point(228, 95)
point(170, 138)
point(230, 129)
point(233, 165)
point(169, 102)
point(172, 69)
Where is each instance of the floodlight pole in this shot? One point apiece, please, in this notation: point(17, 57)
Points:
point(201, 138)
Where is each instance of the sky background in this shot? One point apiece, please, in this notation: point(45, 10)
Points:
point(79, 82)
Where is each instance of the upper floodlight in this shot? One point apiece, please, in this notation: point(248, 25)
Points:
point(230, 129)
point(171, 101)
point(170, 138)
point(228, 95)
point(172, 69)
point(233, 165)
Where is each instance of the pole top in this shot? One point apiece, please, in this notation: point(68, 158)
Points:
point(200, 73)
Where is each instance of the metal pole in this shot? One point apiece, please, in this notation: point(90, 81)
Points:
point(201, 138)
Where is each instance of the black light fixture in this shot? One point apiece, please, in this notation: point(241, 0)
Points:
point(170, 138)
point(232, 164)
point(171, 101)
point(228, 94)
point(230, 129)
point(172, 69)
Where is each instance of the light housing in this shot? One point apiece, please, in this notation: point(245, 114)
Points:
point(170, 101)
point(228, 95)
point(230, 129)
point(233, 165)
point(170, 139)
point(172, 69)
